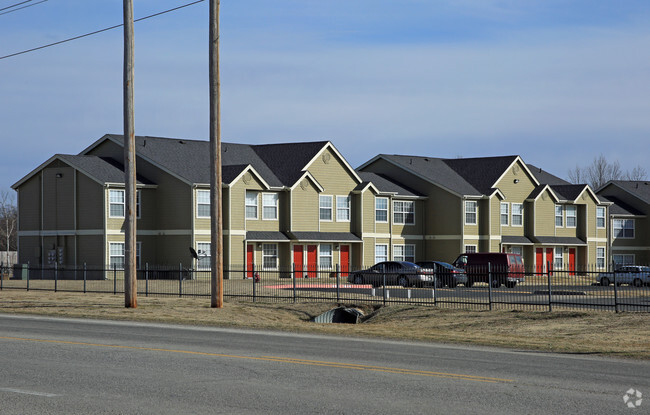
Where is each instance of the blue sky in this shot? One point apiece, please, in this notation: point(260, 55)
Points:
point(556, 82)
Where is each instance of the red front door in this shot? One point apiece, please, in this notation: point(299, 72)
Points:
point(298, 261)
point(250, 255)
point(312, 260)
point(539, 260)
point(572, 261)
point(345, 260)
point(549, 258)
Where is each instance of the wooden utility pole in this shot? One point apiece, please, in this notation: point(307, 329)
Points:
point(216, 221)
point(130, 276)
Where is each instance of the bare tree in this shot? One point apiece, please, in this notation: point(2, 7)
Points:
point(8, 221)
point(600, 171)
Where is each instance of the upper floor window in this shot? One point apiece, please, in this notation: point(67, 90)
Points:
point(325, 207)
point(117, 203)
point(269, 206)
point(600, 217)
point(404, 253)
point(559, 216)
point(623, 228)
point(404, 212)
point(504, 214)
point(343, 208)
point(517, 214)
point(251, 205)
point(202, 203)
point(571, 216)
point(471, 212)
point(381, 209)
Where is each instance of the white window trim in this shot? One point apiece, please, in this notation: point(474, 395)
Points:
point(558, 261)
point(614, 236)
point(507, 214)
point(387, 209)
point(561, 216)
point(348, 209)
point(604, 257)
point(205, 255)
point(138, 254)
point(275, 267)
point(512, 210)
point(331, 207)
point(276, 206)
point(321, 256)
point(387, 253)
point(604, 217)
point(246, 205)
point(137, 203)
point(201, 191)
point(567, 216)
point(475, 212)
point(405, 256)
point(405, 213)
point(473, 248)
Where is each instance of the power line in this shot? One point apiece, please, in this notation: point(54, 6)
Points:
point(100, 31)
point(14, 5)
point(19, 8)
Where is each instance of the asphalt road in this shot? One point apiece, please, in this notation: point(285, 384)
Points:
point(66, 366)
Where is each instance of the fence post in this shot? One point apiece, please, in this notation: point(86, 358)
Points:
point(114, 279)
point(616, 307)
point(293, 267)
point(146, 279)
point(27, 275)
point(85, 277)
point(489, 269)
point(56, 276)
point(180, 280)
point(550, 294)
point(2, 273)
point(383, 291)
point(338, 284)
point(254, 279)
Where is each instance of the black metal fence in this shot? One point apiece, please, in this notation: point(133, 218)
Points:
point(547, 289)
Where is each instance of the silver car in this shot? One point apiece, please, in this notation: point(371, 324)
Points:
point(629, 274)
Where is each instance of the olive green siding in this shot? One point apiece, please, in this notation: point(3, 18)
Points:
point(304, 208)
point(29, 203)
point(90, 200)
point(545, 215)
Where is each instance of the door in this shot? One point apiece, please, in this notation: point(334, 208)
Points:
point(312, 261)
point(345, 260)
point(539, 260)
point(572, 261)
point(298, 261)
point(549, 258)
point(250, 255)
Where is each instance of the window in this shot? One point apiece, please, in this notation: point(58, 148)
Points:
point(559, 216)
point(623, 228)
point(600, 257)
point(325, 256)
point(517, 214)
point(381, 253)
point(343, 208)
point(269, 206)
point(204, 251)
point(251, 205)
point(404, 253)
point(269, 256)
point(517, 250)
point(600, 217)
point(325, 207)
point(404, 212)
point(116, 254)
point(558, 258)
point(381, 209)
point(471, 210)
point(116, 203)
point(571, 216)
point(504, 214)
point(623, 259)
point(470, 249)
point(202, 203)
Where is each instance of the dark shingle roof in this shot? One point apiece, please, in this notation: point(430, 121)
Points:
point(278, 164)
point(482, 173)
point(569, 191)
point(621, 208)
point(105, 170)
point(545, 177)
point(385, 184)
point(640, 189)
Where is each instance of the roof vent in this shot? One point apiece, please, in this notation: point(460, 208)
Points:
point(426, 159)
point(181, 142)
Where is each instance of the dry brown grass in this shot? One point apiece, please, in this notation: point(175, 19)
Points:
point(595, 332)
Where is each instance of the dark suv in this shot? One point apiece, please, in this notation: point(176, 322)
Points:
point(505, 269)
